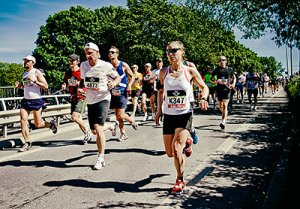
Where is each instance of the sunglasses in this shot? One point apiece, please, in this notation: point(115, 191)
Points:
point(173, 51)
point(112, 52)
point(223, 60)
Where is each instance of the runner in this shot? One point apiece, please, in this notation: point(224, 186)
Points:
point(32, 83)
point(77, 98)
point(240, 88)
point(159, 65)
point(252, 79)
point(224, 75)
point(148, 91)
point(136, 86)
point(212, 84)
point(119, 93)
point(176, 94)
point(94, 76)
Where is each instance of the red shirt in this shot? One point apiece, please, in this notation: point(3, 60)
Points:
point(72, 79)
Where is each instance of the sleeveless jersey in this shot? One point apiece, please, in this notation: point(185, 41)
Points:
point(121, 88)
point(177, 94)
point(31, 90)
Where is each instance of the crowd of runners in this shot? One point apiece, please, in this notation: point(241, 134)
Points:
point(165, 94)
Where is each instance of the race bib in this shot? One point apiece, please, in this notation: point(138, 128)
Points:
point(72, 81)
point(27, 82)
point(92, 83)
point(116, 91)
point(177, 99)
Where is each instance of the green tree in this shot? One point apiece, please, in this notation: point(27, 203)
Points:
point(255, 18)
point(10, 73)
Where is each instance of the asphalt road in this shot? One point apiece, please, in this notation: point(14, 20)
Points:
point(228, 169)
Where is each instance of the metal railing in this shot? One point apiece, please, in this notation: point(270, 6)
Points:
point(57, 107)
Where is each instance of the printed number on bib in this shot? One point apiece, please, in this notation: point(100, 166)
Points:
point(176, 99)
point(116, 91)
point(92, 83)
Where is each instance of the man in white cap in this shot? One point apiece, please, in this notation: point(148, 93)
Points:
point(32, 82)
point(98, 77)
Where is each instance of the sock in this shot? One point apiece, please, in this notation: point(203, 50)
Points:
point(180, 178)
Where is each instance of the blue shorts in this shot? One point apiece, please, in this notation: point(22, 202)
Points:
point(240, 88)
point(118, 102)
point(32, 104)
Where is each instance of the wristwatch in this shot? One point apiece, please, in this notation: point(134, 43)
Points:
point(203, 98)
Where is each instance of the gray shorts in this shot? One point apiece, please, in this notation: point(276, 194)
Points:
point(97, 113)
point(78, 106)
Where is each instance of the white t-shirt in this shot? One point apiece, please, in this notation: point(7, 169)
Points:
point(96, 79)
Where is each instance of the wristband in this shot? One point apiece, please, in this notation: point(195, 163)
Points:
point(203, 98)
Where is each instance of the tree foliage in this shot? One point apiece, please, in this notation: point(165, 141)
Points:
point(10, 73)
point(256, 17)
point(141, 32)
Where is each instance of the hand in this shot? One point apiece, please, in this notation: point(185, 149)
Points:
point(203, 104)
point(157, 117)
point(17, 84)
point(80, 91)
point(111, 84)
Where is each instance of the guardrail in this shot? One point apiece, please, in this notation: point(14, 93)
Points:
point(57, 107)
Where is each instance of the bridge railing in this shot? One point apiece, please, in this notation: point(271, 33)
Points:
point(57, 106)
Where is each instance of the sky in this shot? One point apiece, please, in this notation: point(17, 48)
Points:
point(20, 21)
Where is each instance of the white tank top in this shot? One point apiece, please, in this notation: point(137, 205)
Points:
point(31, 90)
point(177, 94)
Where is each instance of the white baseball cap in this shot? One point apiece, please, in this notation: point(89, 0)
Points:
point(91, 45)
point(29, 57)
point(148, 64)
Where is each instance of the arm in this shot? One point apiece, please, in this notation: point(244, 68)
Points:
point(40, 80)
point(160, 96)
point(129, 73)
point(197, 79)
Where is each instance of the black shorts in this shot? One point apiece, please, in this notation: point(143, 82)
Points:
point(212, 90)
point(252, 91)
point(223, 92)
point(171, 122)
point(135, 93)
point(118, 102)
point(32, 104)
point(97, 113)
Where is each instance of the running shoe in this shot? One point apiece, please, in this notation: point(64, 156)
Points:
point(100, 163)
point(123, 137)
point(87, 137)
point(114, 129)
point(178, 187)
point(194, 135)
point(134, 125)
point(222, 125)
point(26, 146)
point(146, 117)
point(188, 150)
point(53, 126)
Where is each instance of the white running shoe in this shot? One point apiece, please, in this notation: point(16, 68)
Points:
point(123, 137)
point(114, 129)
point(146, 117)
point(100, 163)
point(87, 137)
